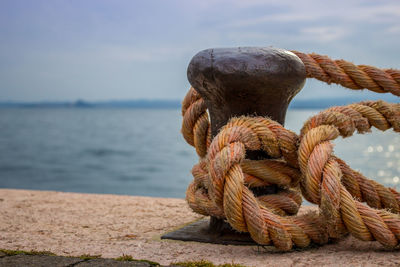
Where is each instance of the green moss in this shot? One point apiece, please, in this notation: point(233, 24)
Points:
point(130, 258)
point(204, 263)
point(125, 258)
point(89, 257)
point(22, 252)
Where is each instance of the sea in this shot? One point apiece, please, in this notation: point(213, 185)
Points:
point(138, 151)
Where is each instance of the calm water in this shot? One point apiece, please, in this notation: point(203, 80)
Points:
point(137, 152)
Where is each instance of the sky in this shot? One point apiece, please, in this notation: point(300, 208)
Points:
point(96, 50)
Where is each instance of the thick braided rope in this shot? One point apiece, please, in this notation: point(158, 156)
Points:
point(223, 176)
point(349, 75)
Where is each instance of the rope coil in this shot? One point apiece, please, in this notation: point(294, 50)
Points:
point(300, 165)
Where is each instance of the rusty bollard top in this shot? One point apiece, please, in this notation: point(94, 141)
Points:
point(246, 81)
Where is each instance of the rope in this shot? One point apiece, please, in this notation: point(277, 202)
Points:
point(349, 75)
point(300, 165)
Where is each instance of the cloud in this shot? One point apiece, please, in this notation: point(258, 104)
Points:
point(324, 34)
point(389, 13)
point(337, 12)
point(283, 17)
point(132, 53)
point(394, 29)
point(101, 46)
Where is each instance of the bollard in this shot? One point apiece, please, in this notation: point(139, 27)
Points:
point(246, 81)
point(255, 81)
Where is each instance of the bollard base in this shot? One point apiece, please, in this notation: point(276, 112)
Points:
point(212, 231)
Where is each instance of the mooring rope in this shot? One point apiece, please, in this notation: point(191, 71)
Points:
point(300, 165)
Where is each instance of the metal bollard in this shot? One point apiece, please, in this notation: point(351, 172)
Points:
point(255, 81)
